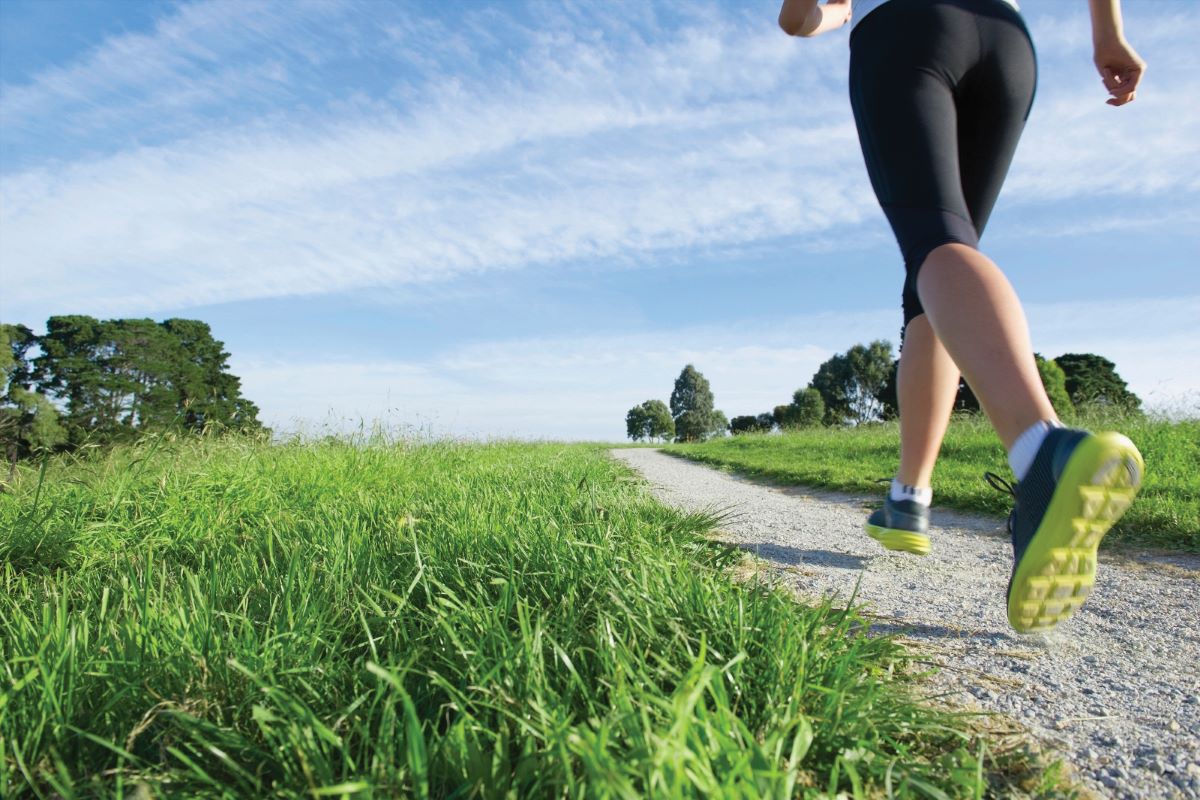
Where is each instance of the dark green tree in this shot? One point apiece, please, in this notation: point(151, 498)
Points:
point(205, 391)
point(692, 407)
point(1093, 380)
point(1054, 380)
point(73, 369)
point(118, 377)
point(850, 384)
point(650, 420)
point(806, 410)
point(746, 423)
point(636, 424)
point(140, 369)
point(29, 422)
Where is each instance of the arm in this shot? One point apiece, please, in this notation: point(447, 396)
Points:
point(807, 18)
point(1120, 67)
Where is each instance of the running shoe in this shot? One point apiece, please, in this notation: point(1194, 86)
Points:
point(900, 525)
point(1078, 486)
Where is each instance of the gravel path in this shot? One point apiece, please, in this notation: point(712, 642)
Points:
point(1114, 689)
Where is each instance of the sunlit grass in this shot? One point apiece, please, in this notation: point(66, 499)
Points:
point(233, 619)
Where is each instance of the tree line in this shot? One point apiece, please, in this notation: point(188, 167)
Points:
point(97, 381)
point(857, 387)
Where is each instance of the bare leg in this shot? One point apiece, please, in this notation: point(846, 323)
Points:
point(927, 385)
point(975, 313)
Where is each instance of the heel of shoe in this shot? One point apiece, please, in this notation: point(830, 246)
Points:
point(902, 541)
point(1058, 570)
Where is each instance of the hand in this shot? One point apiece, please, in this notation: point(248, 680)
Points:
point(836, 12)
point(808, 18)
point(1121, 70)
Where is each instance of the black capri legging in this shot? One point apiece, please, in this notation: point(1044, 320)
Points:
point(941, 90)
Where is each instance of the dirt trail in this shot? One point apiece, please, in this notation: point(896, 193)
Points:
point(1115, 689)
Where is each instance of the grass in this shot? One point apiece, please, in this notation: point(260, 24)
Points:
point(1166, 514)
point(226, 618)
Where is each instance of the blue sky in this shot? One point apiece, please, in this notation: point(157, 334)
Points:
point(524, 218)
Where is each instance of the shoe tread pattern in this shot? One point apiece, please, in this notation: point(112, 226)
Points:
point(1060, 577)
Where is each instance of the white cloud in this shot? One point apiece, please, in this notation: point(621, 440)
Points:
point(193, 57)
point(606, 140)
point(580, 388)
point(1077, 146)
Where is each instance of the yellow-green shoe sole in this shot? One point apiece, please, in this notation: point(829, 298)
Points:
point(894, 539)
point(1058, 568)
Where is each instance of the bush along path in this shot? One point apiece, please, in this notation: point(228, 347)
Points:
point(1114, 689)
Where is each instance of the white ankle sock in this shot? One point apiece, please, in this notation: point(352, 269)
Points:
point(1025, 448)
point(919, 494)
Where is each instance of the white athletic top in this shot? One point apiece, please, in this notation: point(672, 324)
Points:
point(860, 9)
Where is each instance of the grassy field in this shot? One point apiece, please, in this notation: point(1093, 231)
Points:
point(233, 619)
point(1167, 513)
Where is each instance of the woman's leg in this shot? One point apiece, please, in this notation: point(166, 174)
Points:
point(975, 313)
point(926, 388)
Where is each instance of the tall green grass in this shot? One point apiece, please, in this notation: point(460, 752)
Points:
point(1166, 514)
point(232, 619)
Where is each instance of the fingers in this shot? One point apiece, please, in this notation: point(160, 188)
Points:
point(1109, 78)
point(1121, 83)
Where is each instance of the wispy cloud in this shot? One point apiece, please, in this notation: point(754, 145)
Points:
point(1078, 146)
point(213, 55)
point(605, 137)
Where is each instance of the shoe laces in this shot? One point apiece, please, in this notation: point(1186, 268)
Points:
point(1001, 485)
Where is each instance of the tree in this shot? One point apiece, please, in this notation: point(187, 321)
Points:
point(752, 423)
point(743, 424)
point(71, 369)
point(719, 424)
point(692, 407)
point(1054, 380)
point(850, 384)
point(141, 368)
point(636, 424)
point(1093, 380)
point(650, 420)
point(806, 410)
point(118, 377)
point(28, 421)
point(205, 391)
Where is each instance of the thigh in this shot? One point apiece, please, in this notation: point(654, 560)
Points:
point(906, 60)
point(994, 100)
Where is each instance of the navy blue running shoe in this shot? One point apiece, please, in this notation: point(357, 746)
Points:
point(1078, 486)
point(900, 525)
